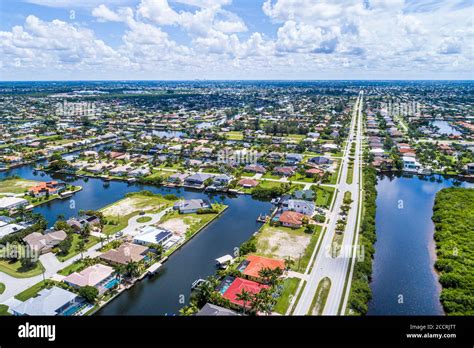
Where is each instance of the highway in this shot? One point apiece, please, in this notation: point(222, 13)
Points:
point(324, 264)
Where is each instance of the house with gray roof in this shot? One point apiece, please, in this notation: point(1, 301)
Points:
point(53, 301)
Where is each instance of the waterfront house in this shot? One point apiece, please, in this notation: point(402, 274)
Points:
point(53, 301)
point(9, 203)
point(44, 243)
point(124, 254)
point(45, 188)
point(144, 171)
point(99, 276)
point(291, 219)
point(248, 183)
point(191, 205)
point(410, 164)
point(469, 168)
point(300, 206)
point(152, 235)
point(253, 264)
point(177, 178)
point(231, 287)
point(221, 180)
point(197, 179)
point(210, 309)
point(79, 223)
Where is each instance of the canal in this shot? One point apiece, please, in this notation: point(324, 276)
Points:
point(169, 290)
point(404, 281)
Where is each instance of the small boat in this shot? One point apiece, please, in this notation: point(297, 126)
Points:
point(224, 261)
point(197, 283)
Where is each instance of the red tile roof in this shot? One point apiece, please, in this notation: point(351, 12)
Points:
point(236, 288)
point(248, 182)
point(258, 262)
point(292, 218)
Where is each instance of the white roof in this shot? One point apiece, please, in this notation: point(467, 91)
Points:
point(224, 259)
point(7, 202)
point(47, 302)
point(9, 229)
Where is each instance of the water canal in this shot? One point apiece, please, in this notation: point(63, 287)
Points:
point(169, 290)
point(404, 281)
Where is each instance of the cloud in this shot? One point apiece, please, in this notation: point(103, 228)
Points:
point(450, 45)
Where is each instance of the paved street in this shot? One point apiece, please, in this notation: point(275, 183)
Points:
point(325, 265)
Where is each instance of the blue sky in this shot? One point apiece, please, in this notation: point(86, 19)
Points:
point(236, 39)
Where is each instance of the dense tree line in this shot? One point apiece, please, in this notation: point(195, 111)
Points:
point(360, 290)
point(453, 215)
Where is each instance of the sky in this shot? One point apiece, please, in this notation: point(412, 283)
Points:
point(236, 39)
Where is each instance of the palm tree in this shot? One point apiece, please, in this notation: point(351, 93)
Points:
point(289, 262)
point(81, 246)
point(245, 297)
point(132, 269)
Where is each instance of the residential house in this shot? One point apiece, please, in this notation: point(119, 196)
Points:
point(210, 309)
point(291, 219)
point(283, 171)
point(248, 183)
point(9, 203)
point(197, 179)
point(307, 195)
point(99, 276)
point(191, 205)
point(45, 188)
point(231, 287)
point(152, 235)
point(50, 302)
point(301, 206)
point(44, 243)
point(124, 254)
point(253, 264)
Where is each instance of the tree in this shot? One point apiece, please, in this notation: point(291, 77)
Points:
point(81, 246)
point(89, 293)
point(245, 297)
point(65, 245)
point(289, 262)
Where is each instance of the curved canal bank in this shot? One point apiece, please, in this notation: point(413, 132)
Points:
point(169, 290)
point(403, 280)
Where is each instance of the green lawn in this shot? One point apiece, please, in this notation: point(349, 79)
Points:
point(15, 269)
point(31, 292)
point(73, 251)
point(4, 310)
point(324, 196)
point(16, 185)
point(289, 288)
point(2, 288)
point(301, 178)
point(75, 267)
point(270, 184)
point(350, 173)
point(320, 297)
point(144, 219)
point(233, 135)
point(117, 214)
point(301, 266)
point(195, 222)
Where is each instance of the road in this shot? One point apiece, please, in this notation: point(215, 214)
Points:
point(324, 264)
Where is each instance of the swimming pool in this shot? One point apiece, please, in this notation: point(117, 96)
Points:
point(73, 309)
point(112, 283)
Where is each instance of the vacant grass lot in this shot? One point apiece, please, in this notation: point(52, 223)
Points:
point(289, 289)
point(283, 242)
point(15, 185)
point(118, 213)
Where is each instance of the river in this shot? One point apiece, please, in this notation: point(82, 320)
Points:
point(404, 281)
